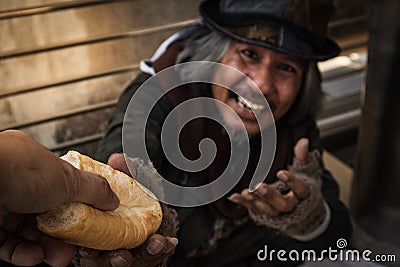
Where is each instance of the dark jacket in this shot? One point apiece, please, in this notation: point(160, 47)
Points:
point(245, 239)
point(196, 224)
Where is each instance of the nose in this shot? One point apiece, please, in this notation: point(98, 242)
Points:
point(263, 78)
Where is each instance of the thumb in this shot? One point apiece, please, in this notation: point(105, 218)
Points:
point(302, 155)
point(117, 161)
point(93, 189)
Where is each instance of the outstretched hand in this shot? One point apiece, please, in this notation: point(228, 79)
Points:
point(154, 251)
point(268, 200)
point(34, 180)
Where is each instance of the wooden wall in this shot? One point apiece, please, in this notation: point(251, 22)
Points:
point(63, 63)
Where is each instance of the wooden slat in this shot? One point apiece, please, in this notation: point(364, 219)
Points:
point(77, 142)
point(348, 21)
point(103, 38)
point(37, 87)
point(61, 115)
point(21, 12)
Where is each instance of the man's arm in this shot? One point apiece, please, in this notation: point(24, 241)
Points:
point(32, 180)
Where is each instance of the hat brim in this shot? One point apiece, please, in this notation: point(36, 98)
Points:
point(295, 42)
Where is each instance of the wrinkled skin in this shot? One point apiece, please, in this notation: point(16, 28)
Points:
point(157, 248)
point(279, 78)
point(154, 251)
point(265, 199)
point(34, 180)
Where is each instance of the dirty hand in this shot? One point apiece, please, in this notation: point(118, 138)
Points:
point(154, 251)
point(35, 180)
point(268, 200)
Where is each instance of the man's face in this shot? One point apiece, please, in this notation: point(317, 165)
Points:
point(278, 76)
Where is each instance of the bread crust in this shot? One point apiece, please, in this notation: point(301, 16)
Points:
point(138, 216)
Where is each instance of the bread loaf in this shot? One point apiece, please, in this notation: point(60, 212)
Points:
point(138, 216)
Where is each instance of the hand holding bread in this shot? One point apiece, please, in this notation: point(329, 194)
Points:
point(138, 216)
point(35, 180)
point(157, 248)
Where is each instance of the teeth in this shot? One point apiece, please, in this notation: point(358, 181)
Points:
point(245, 103)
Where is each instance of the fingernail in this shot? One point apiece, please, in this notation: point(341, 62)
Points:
point(257, 186)
point(155, 247)
point(174, 241)
point(262, 190)
point(118, 261)
point(232, 199)
point(112, 156)
point(113, 160)
point(283, 176)
point(171, 244)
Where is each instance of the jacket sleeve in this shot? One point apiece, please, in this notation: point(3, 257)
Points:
point(112, 140)
point(340, 225)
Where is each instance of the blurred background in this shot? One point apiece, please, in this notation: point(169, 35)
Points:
point(63, 64)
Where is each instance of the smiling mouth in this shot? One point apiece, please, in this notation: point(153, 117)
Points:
point(251, 105)
point(246, 103)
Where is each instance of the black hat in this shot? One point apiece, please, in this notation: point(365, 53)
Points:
point(295, 27)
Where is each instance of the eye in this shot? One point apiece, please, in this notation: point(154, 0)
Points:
point(287, 67)
point(249, 53)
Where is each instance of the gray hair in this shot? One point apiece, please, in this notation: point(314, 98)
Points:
point(309, 100)
point(205, 45)
point(209, 45)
